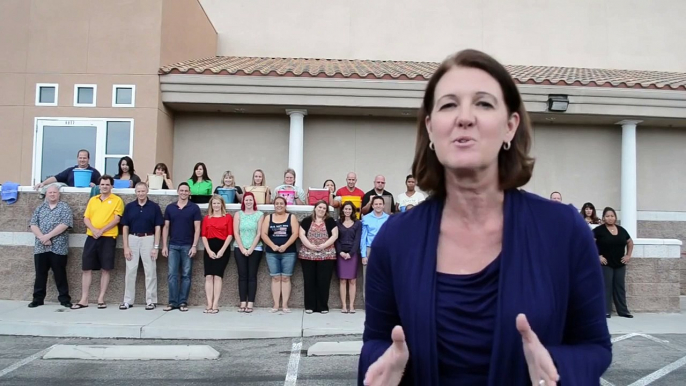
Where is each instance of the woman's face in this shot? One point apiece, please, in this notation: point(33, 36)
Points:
point(124, 166)
point(216, 206)
point(160, 171)
point(320, 210)
point(329, 185)
point(288, 179)
point(199, 171)
point(347, 211)
point(280, 206)
point(257, 178)
point(610, 218)
point(249, 202)
point(228, 180)
point(588, 211)
point(469, 122)
point(378, 206)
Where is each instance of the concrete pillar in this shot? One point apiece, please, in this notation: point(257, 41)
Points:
point(629, 210)
point(296, 145)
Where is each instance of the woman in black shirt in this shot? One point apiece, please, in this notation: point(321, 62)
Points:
point(615, 247)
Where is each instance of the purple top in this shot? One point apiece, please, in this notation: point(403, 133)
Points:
point(349, 238)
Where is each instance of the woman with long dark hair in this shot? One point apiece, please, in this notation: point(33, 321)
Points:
point(348, 254)
point(127, 172)
point(589, 215)
point(200, 182)
point(615, 248)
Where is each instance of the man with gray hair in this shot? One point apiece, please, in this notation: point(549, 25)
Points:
point(49, 223)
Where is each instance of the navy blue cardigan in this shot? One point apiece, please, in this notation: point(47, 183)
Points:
point(549, 271)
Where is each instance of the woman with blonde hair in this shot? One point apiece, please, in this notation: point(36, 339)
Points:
point(483, 283)
point(217, 232)
point(258, 187)
point(228, 181)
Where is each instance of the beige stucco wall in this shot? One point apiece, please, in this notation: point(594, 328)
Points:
point(231, 142)
point(576, 33)
point(98, 42)
point(661, 154)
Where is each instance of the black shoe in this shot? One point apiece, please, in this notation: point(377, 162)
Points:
point(626, 316)
point(66, 304)
point(35, 304)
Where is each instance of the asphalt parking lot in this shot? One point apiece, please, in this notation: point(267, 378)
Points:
point(658, 360)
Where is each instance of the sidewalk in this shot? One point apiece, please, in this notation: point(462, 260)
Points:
point(136, 323)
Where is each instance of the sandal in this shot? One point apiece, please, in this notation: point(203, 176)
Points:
point(183, 307)
point(352, 311)
point(168, 308)
point(150, 306)
point(207, 311)
point(273, 310)
point(241, 309)
point(102, 306)
point(79, 306)
point(286, 310)
point(248, 310)
point(124, 306)
point(344, 311)
point(214, 311)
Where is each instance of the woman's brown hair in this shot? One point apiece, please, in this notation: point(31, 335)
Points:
point(314, 210)
point(515, 166)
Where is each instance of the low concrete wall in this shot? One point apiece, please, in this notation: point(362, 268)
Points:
point(17, 267)
point(667, 230)
point(654, 276)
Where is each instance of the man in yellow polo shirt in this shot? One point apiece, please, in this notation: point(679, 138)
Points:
point(101, 218)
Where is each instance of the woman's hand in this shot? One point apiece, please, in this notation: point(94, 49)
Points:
point(625, 259)
point(220, 254)
point(603, 260)
point(388, 369)
point(542, 370)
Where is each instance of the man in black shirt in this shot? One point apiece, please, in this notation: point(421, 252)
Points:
point(379, 185)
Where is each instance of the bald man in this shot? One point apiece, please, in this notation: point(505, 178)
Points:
point(379, 190)
point(350, 189)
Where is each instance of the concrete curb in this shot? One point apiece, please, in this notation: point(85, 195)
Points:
point(335, 348)
point(129, 353)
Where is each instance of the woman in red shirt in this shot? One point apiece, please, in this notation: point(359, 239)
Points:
point(217, 232)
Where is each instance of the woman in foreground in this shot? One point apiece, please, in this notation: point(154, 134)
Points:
point(482, 284)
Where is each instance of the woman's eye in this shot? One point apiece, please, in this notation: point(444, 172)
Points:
point(446, 106)
point(484, 104)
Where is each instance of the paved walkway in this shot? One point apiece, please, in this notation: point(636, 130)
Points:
point(53, 320)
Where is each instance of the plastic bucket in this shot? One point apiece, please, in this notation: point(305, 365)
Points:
point(82, 178)
point(122, 184)
point(260, 193)
point(355, 200)
point(314, 195)
point(155, 181)
point(228, 194)
point(289, 195)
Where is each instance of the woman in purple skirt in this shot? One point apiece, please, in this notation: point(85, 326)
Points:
point(348, 251)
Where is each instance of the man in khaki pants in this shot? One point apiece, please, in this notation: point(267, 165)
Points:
point(142, 227)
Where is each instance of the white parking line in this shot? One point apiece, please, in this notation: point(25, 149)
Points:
point(293, 363)
point(623, 337)
point(23, 362)
point(605, 383)
point(652, 377)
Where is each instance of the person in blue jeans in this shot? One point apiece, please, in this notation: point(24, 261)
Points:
point(279, 232)
point(180, 241)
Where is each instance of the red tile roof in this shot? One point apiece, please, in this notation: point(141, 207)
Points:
point(400, 70)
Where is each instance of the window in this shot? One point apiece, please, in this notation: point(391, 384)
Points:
point(123, 95)
point(46, 94)
point(58, 140)
point(85, 95)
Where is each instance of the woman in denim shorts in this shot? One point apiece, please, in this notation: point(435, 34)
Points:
point(279, 233)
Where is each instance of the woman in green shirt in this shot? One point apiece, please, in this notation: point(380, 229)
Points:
point(247, 225)
point(200, 182)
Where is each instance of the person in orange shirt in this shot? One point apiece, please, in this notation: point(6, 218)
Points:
point(102, 216)
point(217, 232)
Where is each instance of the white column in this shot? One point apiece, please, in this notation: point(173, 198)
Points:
point(629, 211)
point(295, 144)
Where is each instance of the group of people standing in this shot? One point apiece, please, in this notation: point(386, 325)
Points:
point(325, 244)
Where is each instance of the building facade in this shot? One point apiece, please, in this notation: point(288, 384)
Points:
point(328, 88)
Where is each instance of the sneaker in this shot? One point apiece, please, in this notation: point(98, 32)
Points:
point(66, 304)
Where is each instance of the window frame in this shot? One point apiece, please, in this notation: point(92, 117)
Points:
point(114, 95)
point(76, 95)
point(100, 124)
point(39, 86)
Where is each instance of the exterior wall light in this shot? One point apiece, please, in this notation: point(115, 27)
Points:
point(558, 103)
